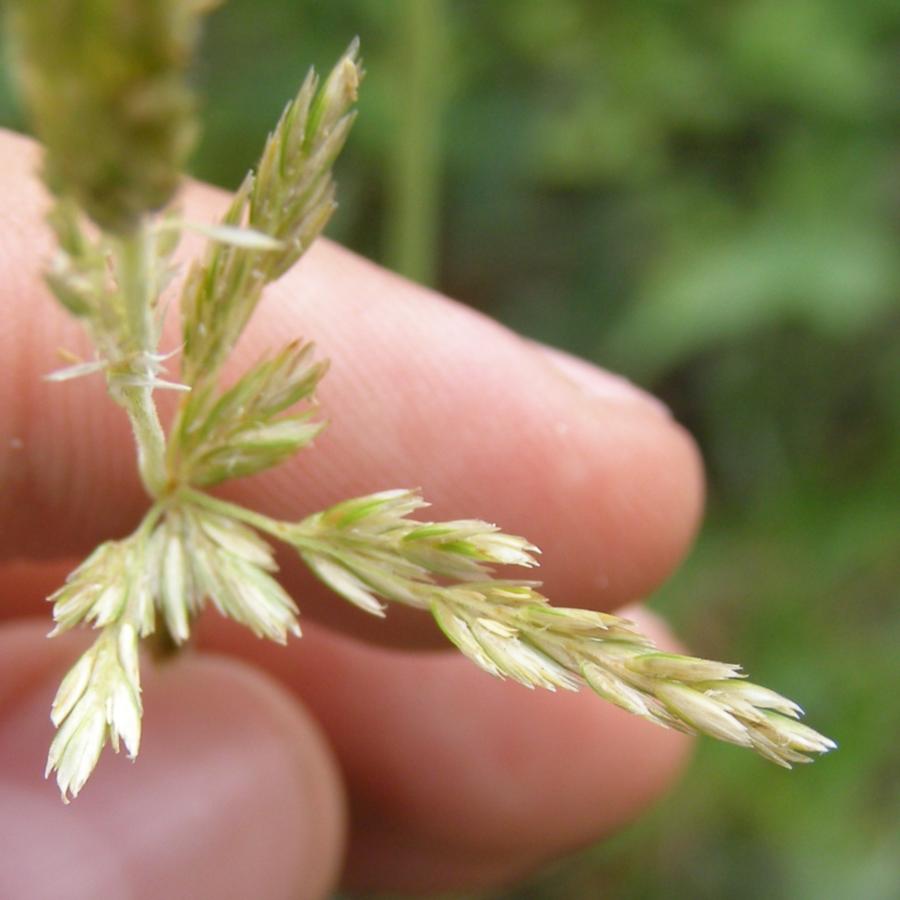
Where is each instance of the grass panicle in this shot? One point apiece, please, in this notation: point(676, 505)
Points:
point(113, 157)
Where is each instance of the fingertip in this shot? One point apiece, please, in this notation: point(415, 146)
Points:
point(600, 384)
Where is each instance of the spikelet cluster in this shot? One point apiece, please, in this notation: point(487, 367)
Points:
point(88, 276)
point(99, 700)
point(368, 549)
point(289, 198)
point(104, 83)
point(159, 577)
point(245, 429)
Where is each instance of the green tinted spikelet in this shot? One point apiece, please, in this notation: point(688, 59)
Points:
point(289, 197)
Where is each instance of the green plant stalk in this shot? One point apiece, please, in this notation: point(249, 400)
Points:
point(135, 265)
point(265, 524)
point(412, 225)
point(148, 437)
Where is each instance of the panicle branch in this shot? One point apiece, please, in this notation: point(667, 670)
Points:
point(289, 198)
point(368, 550)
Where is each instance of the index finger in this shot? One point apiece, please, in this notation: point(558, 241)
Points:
point(422, 393)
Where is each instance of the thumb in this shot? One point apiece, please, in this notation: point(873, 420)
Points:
point(237, 797)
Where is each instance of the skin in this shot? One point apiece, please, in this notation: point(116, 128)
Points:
point(355, 755)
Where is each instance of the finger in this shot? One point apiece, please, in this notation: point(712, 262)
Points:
point(459, 780)
point(25, 585)
point(234, 795)
point(422, 392)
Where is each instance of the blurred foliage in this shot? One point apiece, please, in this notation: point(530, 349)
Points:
point(705, 197)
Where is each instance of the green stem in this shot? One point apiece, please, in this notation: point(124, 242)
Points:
point(412, 225)
point(148, 436)
point(137, 282)
point(281, 530)
point(150, 520)
point(135, 276)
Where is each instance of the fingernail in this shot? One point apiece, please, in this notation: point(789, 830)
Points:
point(600, 384)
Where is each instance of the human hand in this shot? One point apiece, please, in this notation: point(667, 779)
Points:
point(273, 772)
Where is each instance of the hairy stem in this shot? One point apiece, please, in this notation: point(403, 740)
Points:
point(134, 254)
point(233, 510)
point(148, 436)
point(136, 269)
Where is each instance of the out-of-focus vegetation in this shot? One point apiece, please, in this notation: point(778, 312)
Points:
point(703, 196)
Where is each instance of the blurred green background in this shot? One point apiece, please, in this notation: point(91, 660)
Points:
point(703, 196)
